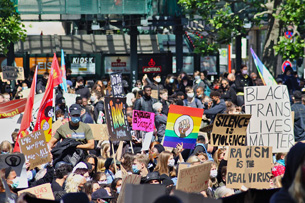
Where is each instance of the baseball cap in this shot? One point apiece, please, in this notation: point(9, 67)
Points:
point(79, 78)
point(75, 109)
point(101, 194)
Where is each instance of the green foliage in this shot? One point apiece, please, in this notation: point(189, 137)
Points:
point(290, 49)
point(292, 14)
point(223, 20)
point(11, 29)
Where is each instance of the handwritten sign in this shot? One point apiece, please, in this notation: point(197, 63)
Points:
point(143, 120)
point(99, 131)
point(194, 178)
point(249, 166)
point(35, 148)
point(128, 179)
point(13, 73)
point(270, 123)
point(43, 191)
point(116, 85)
point(154, 94)
point(230, 130)
point(115, 112)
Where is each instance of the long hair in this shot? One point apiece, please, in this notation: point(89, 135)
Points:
point(162, 164)
point(100, 164)
point(296, 190)
point(72, 182)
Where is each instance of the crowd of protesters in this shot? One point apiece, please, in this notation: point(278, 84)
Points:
point(99, 176)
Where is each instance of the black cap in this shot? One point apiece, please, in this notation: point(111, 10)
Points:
point(79, 78)
point(75, 109)
point(153, 176)
point(297, 95)
point(100, 194)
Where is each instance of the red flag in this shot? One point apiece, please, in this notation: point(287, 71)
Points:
point(45, 112)
point(27, 116)
point(56, 71)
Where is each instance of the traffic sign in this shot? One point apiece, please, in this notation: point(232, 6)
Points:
point(285, 64)
point(288, 34)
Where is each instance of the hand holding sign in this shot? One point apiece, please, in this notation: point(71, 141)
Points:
point(184, 125)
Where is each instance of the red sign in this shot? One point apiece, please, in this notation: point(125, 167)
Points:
point(285, 64)
point(152, 68)
point(118, 63)
point(12, 108)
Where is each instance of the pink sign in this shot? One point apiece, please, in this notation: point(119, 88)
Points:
point(143, 120)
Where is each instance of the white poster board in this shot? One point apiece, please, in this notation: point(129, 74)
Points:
point(271, 122)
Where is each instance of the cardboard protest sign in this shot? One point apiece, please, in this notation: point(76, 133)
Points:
point(13, 73)
point(195, 178)
point(270, 123)
point(193, 197)
point(230, 130)
point(147, 140)
point(99, 131)
point(143, 121)
point(128, 179)
point(154, 94)
point(249, 166)
point(116, 85)
point(43, 191)
point(35, 148)
point(147, 193)
point(183, 125)
point(115, 112)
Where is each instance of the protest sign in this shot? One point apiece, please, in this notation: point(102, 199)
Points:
point(99, 131)
point(182, 125)
point(35, 148)
point(249, 166)
point(57, 124)
point(193, 197)
point(13, 73)
point(128, 179)
point(154, 94)
point(116, 85)
point(43, 191)
point(195, 178)
point(147, 193)
point(230, 130)
point(115, 112)
point(12, 108)
point(147, 140)
point(143, 121)
point(270, 123)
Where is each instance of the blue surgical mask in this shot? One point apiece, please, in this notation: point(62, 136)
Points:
point(135, 169)
point(171, 80)
point(15, 183)
point(75, 119)
point(118, 190)
point(105, 83)
point(5, 152)
point(197, 77)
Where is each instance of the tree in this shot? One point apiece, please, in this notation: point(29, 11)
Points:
point(11, 28)
point(227, 19)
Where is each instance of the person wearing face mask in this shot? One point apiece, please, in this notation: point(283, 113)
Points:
point(197, 81)
point(6, 147)
point(165, 164)
point(74, 129)
point(170, 85)
point(98, 107)
point(213, 183)
point(80, 88)
point(139, 166)
point(12, 181)
point(191, 101)
point(185, 82)
point(241, 81)
point(214, 107)
point(228, 93)
point(41, 85)
point(146, 101)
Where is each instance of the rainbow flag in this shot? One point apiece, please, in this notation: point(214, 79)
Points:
point(263, 72)
point(183, 125)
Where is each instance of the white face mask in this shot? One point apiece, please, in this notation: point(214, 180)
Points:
point(158, 80)
point(213, 173)
point(92, 98)
point(197, 77)
point(102, 182)
point(245, 72)
point(171, 162)
point(190, 95)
